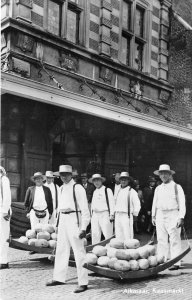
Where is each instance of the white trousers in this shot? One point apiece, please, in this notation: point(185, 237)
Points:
point(68, 236)
point(52, 220)
point(4, 235)
point(34, 220)
point(123, 226)
point(100, 223)
point(166, 227)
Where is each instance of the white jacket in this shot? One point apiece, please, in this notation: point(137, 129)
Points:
point(5, 194)
point(121, 201)
point(165, 199)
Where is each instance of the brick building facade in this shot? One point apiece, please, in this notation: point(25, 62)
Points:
point(99, 84)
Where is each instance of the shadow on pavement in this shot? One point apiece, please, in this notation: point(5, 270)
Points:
point(186, 266)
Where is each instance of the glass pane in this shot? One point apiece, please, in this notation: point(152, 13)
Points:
point(138, 56)
point(54, 18)
point(139, 17)
point(125, 50)
point(126, 15)
point(72, 26)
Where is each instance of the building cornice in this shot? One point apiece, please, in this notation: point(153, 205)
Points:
point(29, 89)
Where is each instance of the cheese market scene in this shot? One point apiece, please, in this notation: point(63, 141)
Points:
point(96, 149)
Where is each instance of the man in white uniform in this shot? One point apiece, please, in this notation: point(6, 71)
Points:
point(127, 205)
point(5, 208)
point(168, 212)
point(73, 220)
point(38, 201)
point(54, 192)
point(102, 208)
point(117, 185)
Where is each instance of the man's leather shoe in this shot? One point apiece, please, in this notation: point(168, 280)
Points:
point(174, 268)
point(54, 282)
point(80, 289)
point(4, 266)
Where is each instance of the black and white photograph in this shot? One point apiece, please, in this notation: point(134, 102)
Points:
point(96, 150)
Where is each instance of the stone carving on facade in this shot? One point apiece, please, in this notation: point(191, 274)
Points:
point(136, 89)
point(69, 62)
point(20, 67)
point(3, 41)
point(164, 96)
point(106, 74)
point(25, 42)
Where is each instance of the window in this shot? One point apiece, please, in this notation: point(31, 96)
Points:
point(63, 19)
point(133, 34)
point(126, 16)
point(125, 50)
point(139, 18)
point(54, 17)
point(138, 56)
point(73, 24)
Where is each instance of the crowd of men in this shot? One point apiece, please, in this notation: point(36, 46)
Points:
point(120, 207)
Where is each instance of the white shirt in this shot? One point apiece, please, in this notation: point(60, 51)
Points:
point(51, 186)
point(116, 189)
point(165, 198)
point(66, 201)
point(85, 185)
point(99, 202)
point(122, 201)
point(39, 199)
point(5, 194)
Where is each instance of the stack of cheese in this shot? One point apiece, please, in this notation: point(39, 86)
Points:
point(124, 256)
point(41, 236)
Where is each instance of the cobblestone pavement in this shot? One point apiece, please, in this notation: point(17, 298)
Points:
point(26, 278)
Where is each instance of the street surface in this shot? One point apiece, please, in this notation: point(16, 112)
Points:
point(26, 278)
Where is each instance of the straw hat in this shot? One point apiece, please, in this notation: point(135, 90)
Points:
point(49, 174)
point(164, 167)
point(84, 175)
point(151, 179)
point(63, 169)
point(124, 174)
point(96, 176)
point(37, 174)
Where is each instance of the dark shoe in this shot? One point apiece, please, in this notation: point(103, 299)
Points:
point(32, 252)
point(54, 282)
point(174, 268)
point(4, 266)
point(80, 289)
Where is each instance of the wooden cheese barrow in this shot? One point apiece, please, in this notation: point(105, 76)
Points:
point(14, 243)
point(152, 271)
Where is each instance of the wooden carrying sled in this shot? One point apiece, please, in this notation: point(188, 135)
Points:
point(152, 271)
point(14, 243)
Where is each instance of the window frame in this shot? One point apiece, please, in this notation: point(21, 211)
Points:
point(143, 6)
point(46, 13)
point(64, 6)
point(72, 6)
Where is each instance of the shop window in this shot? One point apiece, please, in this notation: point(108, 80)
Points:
point(133, 38)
